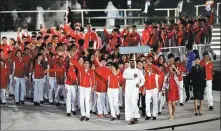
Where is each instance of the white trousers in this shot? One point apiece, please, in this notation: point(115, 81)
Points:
point(181, 91)
point(161, 101)
point(52, 88)
point(113, 97)
point(29, 88)
point(3, 95)
point(32, 89)
point(78, 97)
point(85, 94)
point(19, 82)
point(11, 85)
point(38, 90)
point(121, 98)
point(46, 88)
point(71, 97)
point(93, 103)
point(107, 104)
point(209, 92)
point(58, 93)
point(153, 93)
point(64, 93)
point(131, 107)
point(101, 103)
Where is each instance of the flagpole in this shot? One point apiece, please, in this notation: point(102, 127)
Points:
point(135, 61)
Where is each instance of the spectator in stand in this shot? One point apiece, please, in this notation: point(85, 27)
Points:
point(147, 9)
point(40, 17)
point(69, 16)
point(186, 8)
point(76, 14)
point(210, 6)
point(111, 11)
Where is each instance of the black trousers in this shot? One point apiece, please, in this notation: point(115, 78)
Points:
point(143, 104)
point(187, 85)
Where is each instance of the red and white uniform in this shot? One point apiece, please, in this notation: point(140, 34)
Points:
point(134, 39)
point(90, 36)
point(51, 78)
point(71, 87)
point(27, 62)
point(113, 90)
point(3, 82)
point(86, 82)
point(151, 86)
point(60, 81)
point(209, 77)
point(101, 90)
point(161, 97)
point(38, 77)
point(145, 36)
point(181, 67)
point(19, 78)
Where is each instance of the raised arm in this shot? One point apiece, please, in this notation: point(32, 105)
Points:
point(103, 72)
point(171, 34)
point(121, 80)
point(122, 33)
point(18, 36)
point(92, 79)
point(57, 70)
point(106, 34)
point(155, 68)
point(76, 64)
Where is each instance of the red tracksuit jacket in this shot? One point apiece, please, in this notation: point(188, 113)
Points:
point(86, 79)
point(114, 81)
point(3, 77)
point(19, 68)
point(209, 69)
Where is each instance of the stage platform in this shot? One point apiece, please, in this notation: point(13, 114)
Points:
point(47, 117)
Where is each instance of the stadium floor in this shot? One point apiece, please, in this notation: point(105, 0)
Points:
point(47, 117)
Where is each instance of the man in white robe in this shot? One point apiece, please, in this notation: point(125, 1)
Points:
point(134, 80)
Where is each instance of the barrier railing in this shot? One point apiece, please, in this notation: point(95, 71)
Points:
point(93, 10)
point(197, 9)
point(181, 49)
point(125, 18)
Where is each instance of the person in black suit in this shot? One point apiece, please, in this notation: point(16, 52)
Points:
point(147, 9)
point(186, 8)
point(198, 77)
